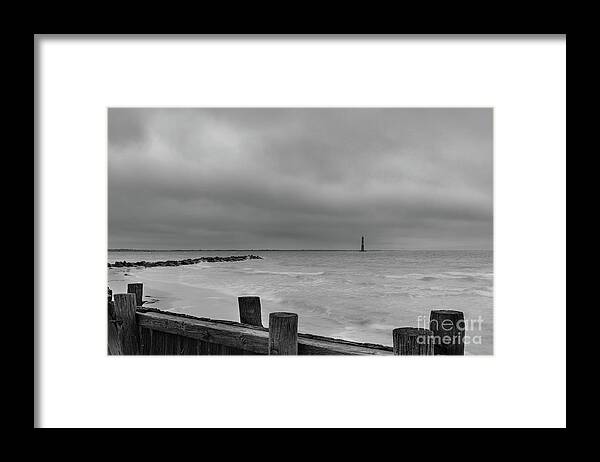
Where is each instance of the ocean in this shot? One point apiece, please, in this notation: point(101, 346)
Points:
point(358, 296)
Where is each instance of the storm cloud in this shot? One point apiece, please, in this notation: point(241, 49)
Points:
point(277, 178)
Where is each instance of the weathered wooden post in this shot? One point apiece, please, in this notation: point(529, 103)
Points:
point(412, 341)
point(250, 311)
point(114, 345)
point(111, 305)
point(124, 306)
point(283, 333)
point(448, 327)
point(136, 288)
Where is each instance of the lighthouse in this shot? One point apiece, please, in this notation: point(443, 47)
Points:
point(362, 244)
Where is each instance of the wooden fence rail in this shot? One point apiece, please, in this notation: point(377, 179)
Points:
point(137, 330)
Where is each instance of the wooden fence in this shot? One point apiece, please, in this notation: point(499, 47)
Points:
point(137, 330)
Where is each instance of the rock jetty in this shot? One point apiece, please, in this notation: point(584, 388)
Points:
point(188, 261)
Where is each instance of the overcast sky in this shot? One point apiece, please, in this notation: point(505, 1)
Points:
point(299, 178)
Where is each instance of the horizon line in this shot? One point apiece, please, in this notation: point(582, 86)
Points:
point(275, 250)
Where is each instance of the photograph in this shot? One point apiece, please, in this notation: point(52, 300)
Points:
point(300, 231)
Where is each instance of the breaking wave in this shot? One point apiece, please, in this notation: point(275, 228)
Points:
point(287, 273)
point(445, 275)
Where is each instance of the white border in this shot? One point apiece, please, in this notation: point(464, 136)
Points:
point(522, 385)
